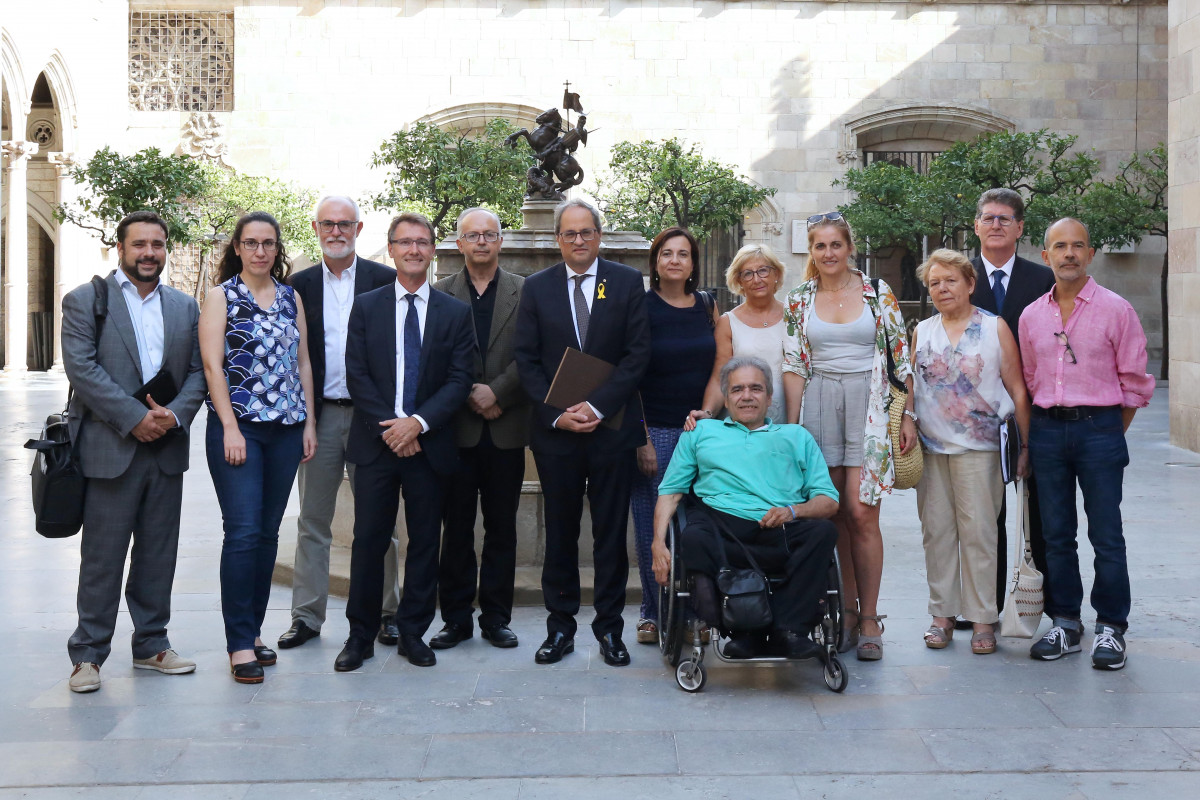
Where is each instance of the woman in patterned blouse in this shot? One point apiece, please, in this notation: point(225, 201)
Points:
point(838, 331)
point(252, 340)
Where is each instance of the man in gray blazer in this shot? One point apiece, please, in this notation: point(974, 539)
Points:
point(133, 448)
point(491, 431)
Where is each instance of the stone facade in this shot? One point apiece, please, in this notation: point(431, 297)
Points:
point(789, 91)
point(1184, 142)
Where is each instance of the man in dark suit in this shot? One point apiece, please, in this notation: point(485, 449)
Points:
point(1005, 284)
point(409, 355)
point(132, 450)
point(599, 307)
point(327, 291)
point(492, 430)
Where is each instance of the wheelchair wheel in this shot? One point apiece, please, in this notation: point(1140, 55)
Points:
point(835, 674)
point(690, 676)
point(671, 607)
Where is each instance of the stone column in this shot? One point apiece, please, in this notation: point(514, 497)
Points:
point(64, 249)
point(16, 311)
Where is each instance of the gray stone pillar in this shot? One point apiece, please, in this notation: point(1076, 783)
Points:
point(64, 250)
point(16, 311)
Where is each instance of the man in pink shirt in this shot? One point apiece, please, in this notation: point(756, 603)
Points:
point(1084, 356)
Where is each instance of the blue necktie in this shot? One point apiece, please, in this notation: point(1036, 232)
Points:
point(412, 355)
point(998, 290)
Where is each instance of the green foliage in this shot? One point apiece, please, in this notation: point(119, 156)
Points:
point(229, 195)
point(654, 185)
point(115, 186)
point(444, 172)
point(1137, 197)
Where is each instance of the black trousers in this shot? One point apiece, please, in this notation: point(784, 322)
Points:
point(605, 478)
point(377, 489)
point(1037, 544)
point(490, 477)
point(801, 551)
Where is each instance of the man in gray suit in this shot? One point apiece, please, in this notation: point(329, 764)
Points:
point(133, 450)
point(491, 431)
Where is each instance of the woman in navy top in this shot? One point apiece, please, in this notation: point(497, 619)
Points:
point(252, 341)
point(682, 350)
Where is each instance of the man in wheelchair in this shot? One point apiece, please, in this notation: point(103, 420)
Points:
point(767, 486)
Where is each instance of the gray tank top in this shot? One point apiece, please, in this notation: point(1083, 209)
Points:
point(842, 347)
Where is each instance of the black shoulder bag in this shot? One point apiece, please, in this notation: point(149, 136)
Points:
point(745, 593)
point(57, 478)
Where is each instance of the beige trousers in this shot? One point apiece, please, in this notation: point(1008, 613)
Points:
point(958, 499)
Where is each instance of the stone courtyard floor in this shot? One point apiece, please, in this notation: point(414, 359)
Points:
point(490, 723)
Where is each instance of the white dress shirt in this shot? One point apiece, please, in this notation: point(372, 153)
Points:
point(1005, 269)
point(147, 317)
point(337, 301)
point(422, 305)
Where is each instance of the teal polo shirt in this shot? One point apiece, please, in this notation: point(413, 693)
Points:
point(747, 473)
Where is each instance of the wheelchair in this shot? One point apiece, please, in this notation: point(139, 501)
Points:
point(678, 629)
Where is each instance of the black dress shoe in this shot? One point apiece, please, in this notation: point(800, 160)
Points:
point(249, 672)
point(415, 650)
point(613, 650)
point(743, 646)
point(265, 655)
point(353, 654)
point(499, 636)
point(297, 635)
point(794, 645)
point(389, 632)
point(450, 635)
point(554, 648)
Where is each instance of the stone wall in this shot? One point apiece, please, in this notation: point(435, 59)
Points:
point(1184, 143)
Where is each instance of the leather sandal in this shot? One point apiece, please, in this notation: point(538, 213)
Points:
point(870, 648)
point(647, 631)
point(983, 643)
point(937, 637)
point(849, 632)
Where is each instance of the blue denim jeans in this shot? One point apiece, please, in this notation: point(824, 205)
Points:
point(1092, 453)
point(253, 497)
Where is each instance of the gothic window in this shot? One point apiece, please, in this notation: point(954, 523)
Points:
point(181, 60)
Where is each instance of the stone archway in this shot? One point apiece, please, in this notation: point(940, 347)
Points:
point(472, 117)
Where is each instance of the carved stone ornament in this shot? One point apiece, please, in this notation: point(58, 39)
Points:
point(773, 228)
point(847, 156)
point(203, 138)
point(17, 152)
point(63, 163)
point(43, 131)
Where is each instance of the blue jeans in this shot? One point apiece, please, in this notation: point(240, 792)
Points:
point(1092, 452)
point(253, 497)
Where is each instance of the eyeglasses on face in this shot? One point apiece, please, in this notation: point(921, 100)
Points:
point(587, 234)
point(1003, 220)
point(1061, 336)
point(747, 275)
point(817, 219)
point(473, 237)
point(268, 245)
point(343, 225)
point(404, 244)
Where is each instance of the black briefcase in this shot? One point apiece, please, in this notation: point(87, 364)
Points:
point(57, 480)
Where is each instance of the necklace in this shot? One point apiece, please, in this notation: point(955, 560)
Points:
point(838, 291)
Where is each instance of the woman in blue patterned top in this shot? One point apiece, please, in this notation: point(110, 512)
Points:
point(252, 340)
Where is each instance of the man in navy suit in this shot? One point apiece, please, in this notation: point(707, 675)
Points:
point(597, 306)
point(1005, 284)
point(410, 353)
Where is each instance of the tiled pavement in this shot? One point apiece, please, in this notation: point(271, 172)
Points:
point(490, 723)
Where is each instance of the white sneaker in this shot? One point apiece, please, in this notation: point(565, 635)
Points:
point(85, 677)
point(168, 662)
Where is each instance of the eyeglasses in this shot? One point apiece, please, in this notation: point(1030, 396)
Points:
point(1003, 220)
point(750, 274)
point(817, 219)
point(473, 237)
point(587, 234)
point(1061, 336)
point(344, 225)
point(404, 244)
point(269, 245)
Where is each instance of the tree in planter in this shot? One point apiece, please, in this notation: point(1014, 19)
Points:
point(654, 185)
point(115, 186)
point(445, 172)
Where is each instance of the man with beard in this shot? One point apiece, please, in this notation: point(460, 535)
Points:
point(133, 447)
point(327, 291)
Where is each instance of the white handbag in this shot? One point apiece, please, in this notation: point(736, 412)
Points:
point(1025, 602)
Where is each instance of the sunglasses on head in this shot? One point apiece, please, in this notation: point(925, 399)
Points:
point(817, 219)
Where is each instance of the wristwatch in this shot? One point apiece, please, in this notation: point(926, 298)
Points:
point(910, 414)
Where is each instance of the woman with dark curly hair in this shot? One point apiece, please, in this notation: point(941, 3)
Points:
point(252, 342)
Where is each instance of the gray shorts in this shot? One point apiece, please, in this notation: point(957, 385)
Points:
point(835, 413)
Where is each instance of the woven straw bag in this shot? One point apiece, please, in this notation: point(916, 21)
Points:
point(910, 465)
point(1025, 601)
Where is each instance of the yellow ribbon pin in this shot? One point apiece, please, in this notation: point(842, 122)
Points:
point(600, 292)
